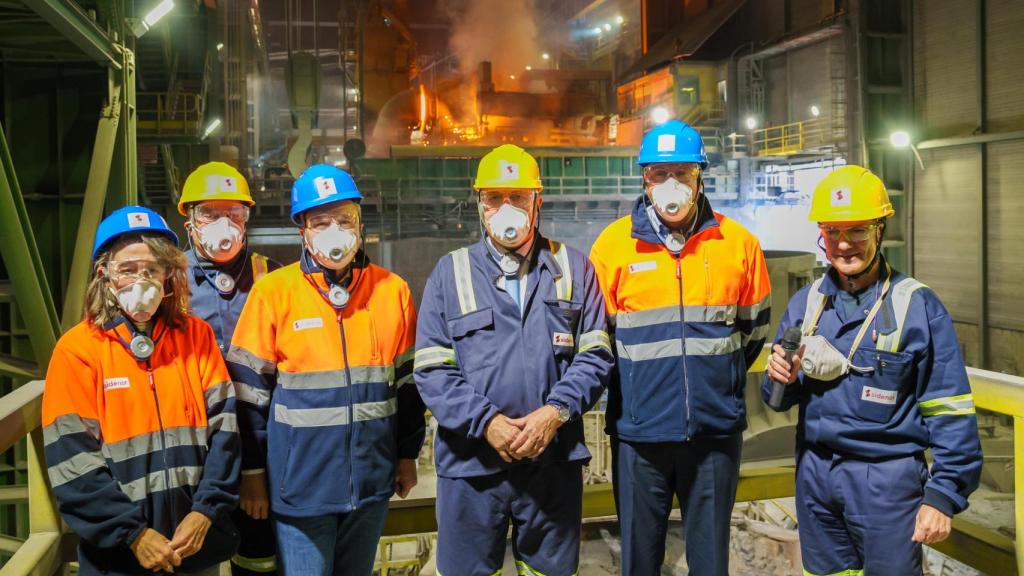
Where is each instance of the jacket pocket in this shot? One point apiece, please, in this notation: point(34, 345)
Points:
point(474, 339)
point(875, 397)
point(563, 319)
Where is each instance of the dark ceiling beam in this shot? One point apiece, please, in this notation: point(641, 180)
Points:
point(74, 24)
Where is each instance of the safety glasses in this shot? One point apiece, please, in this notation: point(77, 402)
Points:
point(853, 234)
point(136, 270)
point(681, 172)
point(347, 219)
point(207, 214)
point(493, 199)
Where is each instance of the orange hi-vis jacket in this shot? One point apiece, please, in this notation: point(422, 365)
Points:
point(134, 444)
point(326, 401)
point(687, 326)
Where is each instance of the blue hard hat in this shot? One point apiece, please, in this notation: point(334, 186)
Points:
point(130, 220)
point(673, 141)
point(321, 184)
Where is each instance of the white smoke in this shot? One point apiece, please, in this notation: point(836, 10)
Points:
point(501, 31)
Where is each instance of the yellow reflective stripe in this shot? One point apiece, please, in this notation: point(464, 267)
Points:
point(594, 338)
point(262, 565)
point(949, 406)
point(850, 572)
point(464, 280)
point(524, 569)
point(433, 355)
point(563, 285)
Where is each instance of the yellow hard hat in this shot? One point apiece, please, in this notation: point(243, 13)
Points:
point(214, 181)
point(850, 194)
point(508, 166)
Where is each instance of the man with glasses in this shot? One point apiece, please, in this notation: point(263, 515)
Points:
point(322, 361)
point(687, 293)
point(879, 379)
point(511, 350)
point(216, 201)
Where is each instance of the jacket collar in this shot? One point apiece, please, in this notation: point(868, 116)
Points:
point(540, 256)
point(642, 228)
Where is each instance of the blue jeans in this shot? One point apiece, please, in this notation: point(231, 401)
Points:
point(331, 544)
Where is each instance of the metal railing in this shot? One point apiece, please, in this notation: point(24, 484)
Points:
point(48, 547)
point(162, 114)
point(792, 138)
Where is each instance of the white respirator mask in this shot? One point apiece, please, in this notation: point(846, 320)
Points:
point(672, 197)
point(221, 239)
point(140, 300)
point(509, 226)
point(821, 361)
point(333, 247)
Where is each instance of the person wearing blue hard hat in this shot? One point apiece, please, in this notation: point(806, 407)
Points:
point(322, 357)
point(688, 293)
point(141, 438)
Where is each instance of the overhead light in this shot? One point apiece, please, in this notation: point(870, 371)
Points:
point(528, 68)
point(815, 111)
point(511, 76)
point(597, 30)
point(607, 27)
point(546, 56)
point(220, 45)
point(660, 115)
point(158, 12)
point(751, 122)
point(210, 128)
point(619, 20)
point(900, 139)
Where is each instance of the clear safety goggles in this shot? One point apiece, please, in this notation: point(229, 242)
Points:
point(493, 199)
point(684, 172)
point(207, 213)
point(136, 270)
point(853, 234)
point(346, 217)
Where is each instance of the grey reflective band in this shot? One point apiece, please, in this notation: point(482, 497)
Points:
point(74, 467)
point(751, 312)
point(218, 393)
point(563, 284)
point(464, 280)
point(242, 356)
point(157, 481)
point(594, 338)
point(674, 348)
point(902, 293)
point(252, 395)
point(223, 422)
point(758, 333)
point(670, 314)
point(815, 303)
point(68, 424)
point(433, 355)
point(153, 441)
point(314, 417)
point(336, 378)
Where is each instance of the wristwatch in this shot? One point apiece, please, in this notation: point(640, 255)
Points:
point(563, 412)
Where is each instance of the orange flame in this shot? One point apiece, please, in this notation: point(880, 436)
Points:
point(423, 108)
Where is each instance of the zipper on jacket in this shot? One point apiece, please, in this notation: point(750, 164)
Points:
point(163, 440)
point(351, 415)
point(682, 340)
